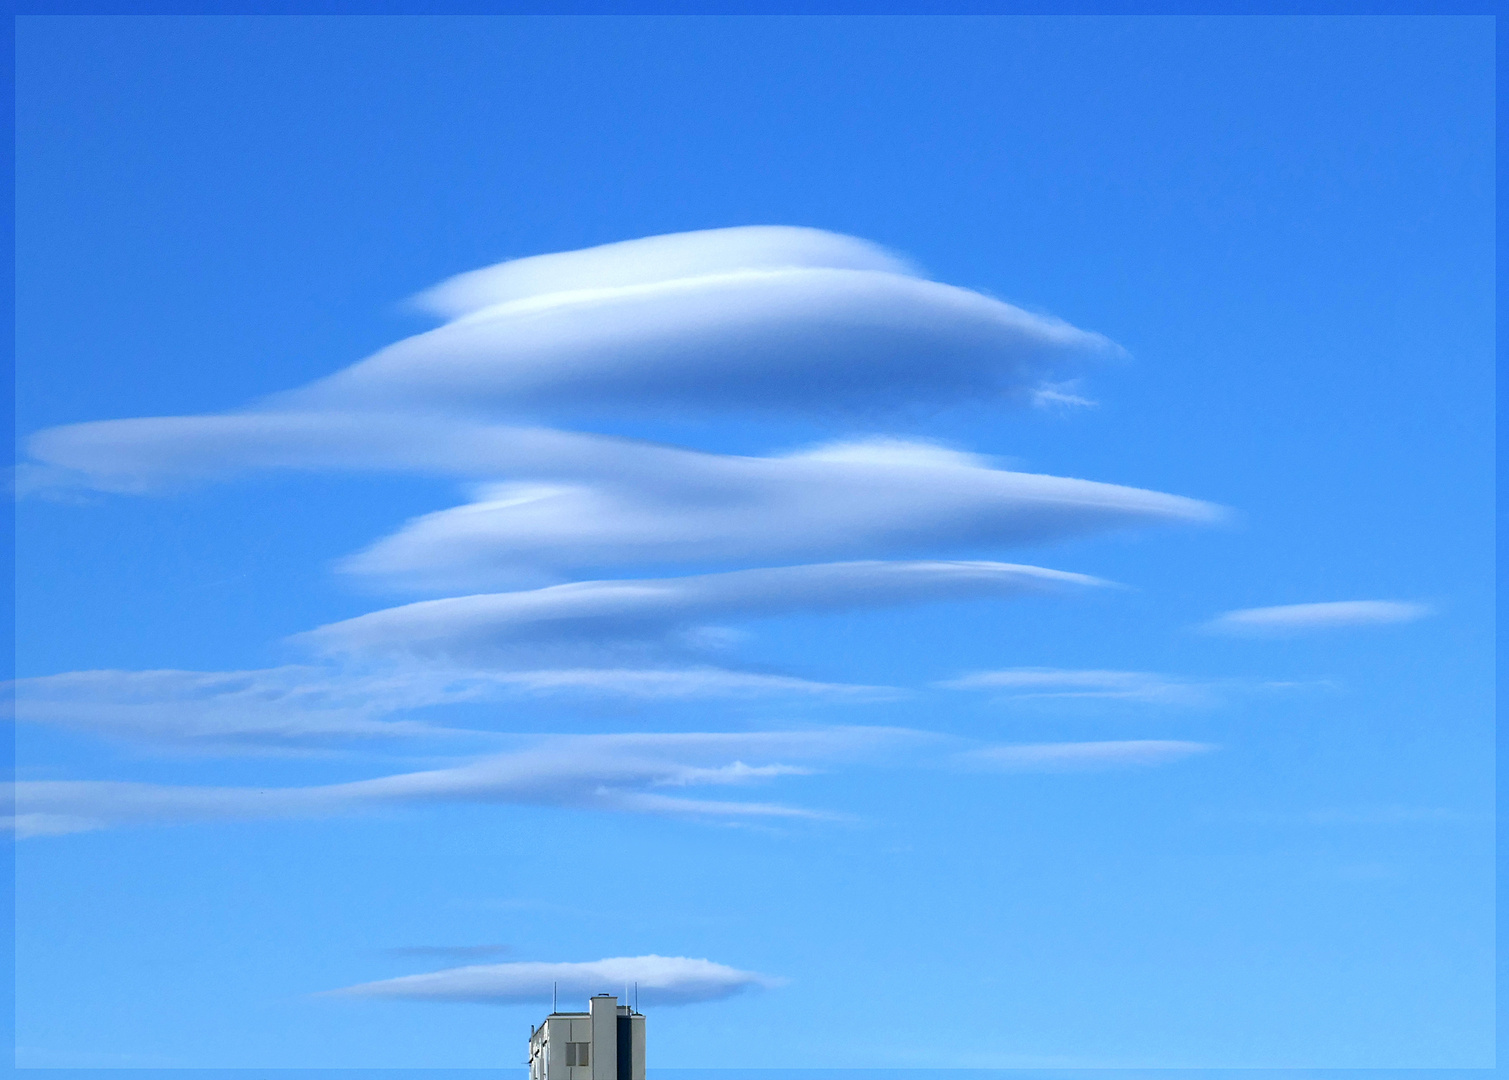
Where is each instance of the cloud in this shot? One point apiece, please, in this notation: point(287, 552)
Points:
point(638, 638)
point(627, 773)
point(584, 503)
point(1081, 756)
point(878, 499)
point(794, 339)
point(280, 709)
point(656, 259)
point(1289, 619)
point(766, 318)
point(650, 620)
point(268, 707)
point(1136, 686)
point(662, 980)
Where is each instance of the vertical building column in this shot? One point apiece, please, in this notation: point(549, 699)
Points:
point(604, 1009)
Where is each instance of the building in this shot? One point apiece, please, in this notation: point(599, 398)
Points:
point(604, 1043)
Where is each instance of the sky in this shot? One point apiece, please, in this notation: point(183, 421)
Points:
point(956, 542)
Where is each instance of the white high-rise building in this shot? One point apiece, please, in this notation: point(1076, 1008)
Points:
point(604, 1043)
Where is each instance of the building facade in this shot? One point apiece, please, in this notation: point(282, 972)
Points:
point(604, 1043)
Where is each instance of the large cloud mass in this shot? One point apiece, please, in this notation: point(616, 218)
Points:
point(751, 339)
point(749, 320)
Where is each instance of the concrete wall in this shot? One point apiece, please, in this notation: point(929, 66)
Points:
point(637, 1026)
point(599, 1029)
point(604, 1037)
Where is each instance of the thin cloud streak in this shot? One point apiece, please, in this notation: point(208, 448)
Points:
point(661, 980)
point(624, 773)
point(1290, 619)
point(1081, 756)
point(277, 709)
point(608, 773)
point(661, 618)
point(1142, 687)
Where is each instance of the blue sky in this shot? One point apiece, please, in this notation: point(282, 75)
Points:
point(1021, 599)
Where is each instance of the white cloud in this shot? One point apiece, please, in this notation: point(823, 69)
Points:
point(649, 620)
point(1081, 756)
point(796, 339)
point(682, 683)
point(285, 708)
point(1290, 619)
point(624, 773)
point(294, 704)
point(584, 503)
point(662, 980)
point(1136, 686)
point(872, 500)
point(762, 318)
point(629, 773)
point(655, 259)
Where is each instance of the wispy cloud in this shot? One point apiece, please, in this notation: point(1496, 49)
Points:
point(270, 707)
point(623, 773)
point(662, 980)
point(632, 773)
point(1081, 756)
point(296, 707)
point(656, 619)
point(1288, 619)
point(1134, 686)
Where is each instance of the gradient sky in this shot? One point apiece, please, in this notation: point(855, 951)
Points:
point(1052, 628)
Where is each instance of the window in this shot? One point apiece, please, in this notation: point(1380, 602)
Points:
point(576, 1053)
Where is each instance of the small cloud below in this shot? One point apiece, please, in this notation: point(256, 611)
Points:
point(661, 980)
point(1292, 619)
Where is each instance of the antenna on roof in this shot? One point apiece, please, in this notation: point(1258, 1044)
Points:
point(636, 997)
point(555, 994)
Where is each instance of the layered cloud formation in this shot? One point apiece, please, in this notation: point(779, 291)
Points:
point(764, 318)
point(559, 571)
point(630, 773)
point(660, 980)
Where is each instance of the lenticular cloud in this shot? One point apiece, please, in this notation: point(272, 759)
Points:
point(750, 339)
point(655, 259)
point(661, 980)
point(755, 320)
